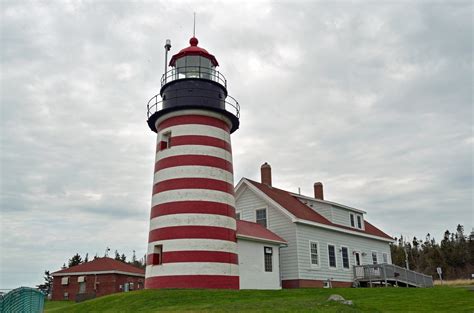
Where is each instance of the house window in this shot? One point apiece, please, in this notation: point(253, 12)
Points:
point(345, 257)
point(385, 257)
point(66, 296)
point(81, 279)
point(332, 256)
point(359, 221)
point(268, 254)
point(352, 220)
point(261, 217)
point(314, 253)
point(65, 280)
point(374, 257)
point(237, 215)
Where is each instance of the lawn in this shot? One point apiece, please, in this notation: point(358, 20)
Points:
point(438, 299)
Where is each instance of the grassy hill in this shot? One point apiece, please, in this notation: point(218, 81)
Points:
point(438, 299)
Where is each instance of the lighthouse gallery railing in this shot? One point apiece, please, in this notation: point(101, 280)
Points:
point(193, 72)
point(155, 104)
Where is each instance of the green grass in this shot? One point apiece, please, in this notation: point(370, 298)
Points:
point(439, 299)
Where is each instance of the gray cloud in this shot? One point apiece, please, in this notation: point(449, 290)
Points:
point(375, 100)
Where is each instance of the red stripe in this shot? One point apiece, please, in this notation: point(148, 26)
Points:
point(199, 256)
point(193, 183)
point(193, 281)
point(185, 232)
point(198, 140)
point(202, 207)
point(191, 159)
point(193, 119)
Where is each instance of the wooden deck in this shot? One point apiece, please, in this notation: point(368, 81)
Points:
point(389, 274)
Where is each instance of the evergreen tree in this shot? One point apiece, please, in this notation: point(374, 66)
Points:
point(86, 259)
point(46, 287)
point(75, 260)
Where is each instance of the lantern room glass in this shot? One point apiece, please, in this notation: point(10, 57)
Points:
point(194, 66)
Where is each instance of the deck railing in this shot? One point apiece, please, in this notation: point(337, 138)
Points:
point(389, 273)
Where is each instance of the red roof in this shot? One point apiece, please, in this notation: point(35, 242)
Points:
point(256, 231)
point(102, 265)
point(302, 211)
point(193, 49)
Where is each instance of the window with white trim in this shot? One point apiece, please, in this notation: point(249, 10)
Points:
point(65, 280)
point(345, 257)
point(352, 220)
point(374, 257)
point(237, 215)
point(268, 258)
point(261, 217)
point(314, 253)
point(359, 221)
point(385, 257)
point(332, 256)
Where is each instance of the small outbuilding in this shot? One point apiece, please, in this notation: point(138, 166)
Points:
point(259, 256)
point(100, 277)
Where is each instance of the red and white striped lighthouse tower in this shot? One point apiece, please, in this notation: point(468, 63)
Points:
point(192, 239)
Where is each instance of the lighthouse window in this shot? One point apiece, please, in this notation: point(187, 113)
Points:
point(261, 217)
point(157, 258)
point(165, 140)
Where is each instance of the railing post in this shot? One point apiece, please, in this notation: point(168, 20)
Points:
point(384, 275)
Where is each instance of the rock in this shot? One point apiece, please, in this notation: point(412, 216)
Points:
point(340, 299)
point(336, 298)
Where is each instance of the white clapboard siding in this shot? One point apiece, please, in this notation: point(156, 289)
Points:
point(341, 216)
point(323, 237)
point(247, 203)
point(322, 208)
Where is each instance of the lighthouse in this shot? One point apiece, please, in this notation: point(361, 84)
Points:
point(192, 237)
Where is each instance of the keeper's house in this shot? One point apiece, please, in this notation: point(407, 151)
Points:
point(99, 277)
point(324, 239)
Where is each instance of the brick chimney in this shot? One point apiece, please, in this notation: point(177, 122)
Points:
point(266, 174)
point(318, 191)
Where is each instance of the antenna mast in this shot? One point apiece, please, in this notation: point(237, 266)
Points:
point(167, 48)
point(194, 25)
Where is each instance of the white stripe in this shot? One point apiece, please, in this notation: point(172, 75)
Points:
point(193, 195)
point(193, 171)
point(194, 245)
point(192, 268)
point(196, 129)
point(192, 220)
point(194, 149)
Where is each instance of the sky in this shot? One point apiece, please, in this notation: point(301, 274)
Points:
point(374, 99)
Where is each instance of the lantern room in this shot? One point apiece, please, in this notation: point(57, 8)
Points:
point(194, 62)
point(193, 83)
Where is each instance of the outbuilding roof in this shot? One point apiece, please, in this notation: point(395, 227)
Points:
point(301, 211)
point(254, 231)
point(101, 265)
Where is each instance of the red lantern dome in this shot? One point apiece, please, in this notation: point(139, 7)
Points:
point(193, 50)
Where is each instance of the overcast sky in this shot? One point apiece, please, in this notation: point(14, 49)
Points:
point(373, 99)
